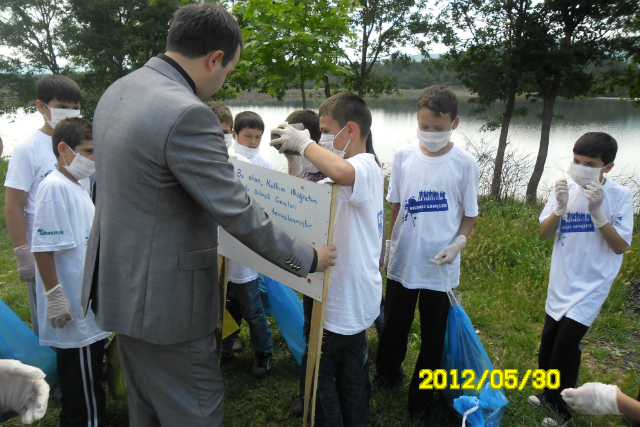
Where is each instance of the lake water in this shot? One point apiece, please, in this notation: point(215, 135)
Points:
point(394, 125)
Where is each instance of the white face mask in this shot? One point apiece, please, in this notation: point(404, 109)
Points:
point(228, 139)
point(245, 151)
point(307, 166)
point(80, 167)
point(326, 142)
point(434, 141)
point(58, 114)
point(584, 175)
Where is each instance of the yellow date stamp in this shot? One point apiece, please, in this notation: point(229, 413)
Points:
point(468, 379)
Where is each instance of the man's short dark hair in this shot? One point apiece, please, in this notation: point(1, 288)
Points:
point(309, 119)
point(58, 87)
point(597, 145)
point(72, 131)
point(440, 99)
point(199, 29)
point(247, 119)
point(222, 111)
point(347, 107)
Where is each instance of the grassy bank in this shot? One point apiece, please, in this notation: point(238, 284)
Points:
point(505, 270)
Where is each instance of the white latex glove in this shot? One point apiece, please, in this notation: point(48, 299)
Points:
point(387, 247)
point(593, 398)
point(595, 195)
point(291, 139)
point(26, 263)
point(295, 164)
point(562, 196)
point(58, 308)
point(448, 254)
point(23, 389)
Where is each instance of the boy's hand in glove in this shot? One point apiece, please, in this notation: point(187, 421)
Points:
point(58, 308)
point(593, 399)
point(448, 254)
point(291, 139)
point(595, 195)
point(26, 263)
point(562, 196)
point(23, 389)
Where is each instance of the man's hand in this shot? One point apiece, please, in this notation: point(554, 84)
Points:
point(326, 256)
point(291, 139)
point(23, 389)
point(449, 254)
point(294, 164)
point(593, 399)
point(58, 308)
point(26, 263)
point(562, 196)
point(595, 195)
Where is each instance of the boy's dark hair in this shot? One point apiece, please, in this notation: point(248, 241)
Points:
point(347, 107)
point(223, 113)
point(440, 99)
point(247, 119)
point(199, 29)
point(597, 144)
point(58, 87)
point(72, 131)
point(309, 119)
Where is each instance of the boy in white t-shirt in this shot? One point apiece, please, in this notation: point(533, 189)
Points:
point(592, 217)
point(434, 194)
point(346, 156)
point(62, 222)
point(243, 287)
point(57, 97)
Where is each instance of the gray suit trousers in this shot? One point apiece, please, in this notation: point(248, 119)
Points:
point(172, 385)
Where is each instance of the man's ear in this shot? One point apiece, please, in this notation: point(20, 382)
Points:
point(214, 59)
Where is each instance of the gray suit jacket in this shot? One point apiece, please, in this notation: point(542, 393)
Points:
point(164, 184)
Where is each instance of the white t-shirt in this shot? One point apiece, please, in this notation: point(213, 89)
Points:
point(237, 272)
point(583, 265)
point(63, 217)
point(355, 289)
point(31, 161)
point(433, 193)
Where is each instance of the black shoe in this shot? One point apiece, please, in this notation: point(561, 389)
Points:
point(297, 406)
point(225, 357)
point(262, 365)
point(237, 344)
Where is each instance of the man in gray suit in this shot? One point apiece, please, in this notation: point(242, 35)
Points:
point(164, 184)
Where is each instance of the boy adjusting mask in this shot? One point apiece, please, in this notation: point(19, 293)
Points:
point(584, 175)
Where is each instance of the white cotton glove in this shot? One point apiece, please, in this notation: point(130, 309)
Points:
point(291, 139)
point(562, 196)
point(58, 308)
point(26, 263)
point(448, 254)
point(593, 399)
point(595, 195)
point(295, 164)
point(23, 389)
point(387, 248)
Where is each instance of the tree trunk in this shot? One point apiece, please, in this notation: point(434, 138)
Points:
point(327, 86)
point(547, 114)
point(502, 142)
point(304, 99)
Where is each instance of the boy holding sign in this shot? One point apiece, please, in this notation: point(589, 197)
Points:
point(345, 155)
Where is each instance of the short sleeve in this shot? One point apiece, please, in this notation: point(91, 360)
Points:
point(470, 192)
point(549, 207)
point(393, 195)
point(51, 227)
point(359, 193)
point(20, 174)
point(622, 221)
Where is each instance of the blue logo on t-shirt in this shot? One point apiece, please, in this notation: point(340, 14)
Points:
point(380, 223)
point(577, 222)
point(428, 201)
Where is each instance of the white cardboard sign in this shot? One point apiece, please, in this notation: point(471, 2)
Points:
point(302, 207)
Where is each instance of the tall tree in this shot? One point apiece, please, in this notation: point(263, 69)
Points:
point(290, 42)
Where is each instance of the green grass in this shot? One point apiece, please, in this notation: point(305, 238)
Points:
point(505, 270)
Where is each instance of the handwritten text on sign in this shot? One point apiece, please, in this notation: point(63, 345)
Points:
point(302, 207)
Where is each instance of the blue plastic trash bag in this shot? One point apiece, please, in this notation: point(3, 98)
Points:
point(264, 297)
point(469, 408)
point(18, 342)
point(287, 310)
point(464, 350)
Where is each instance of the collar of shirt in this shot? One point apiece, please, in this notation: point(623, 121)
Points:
point(181, 70)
